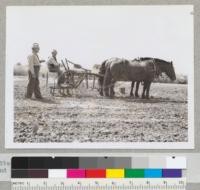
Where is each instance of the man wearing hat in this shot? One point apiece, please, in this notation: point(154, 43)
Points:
point(54, 66)
point(52, 62)
point(33, 73)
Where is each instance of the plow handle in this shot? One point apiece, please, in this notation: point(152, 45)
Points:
point(64, 65)
point(67, 63)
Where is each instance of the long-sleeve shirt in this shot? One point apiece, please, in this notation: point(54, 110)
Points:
point(33, 60)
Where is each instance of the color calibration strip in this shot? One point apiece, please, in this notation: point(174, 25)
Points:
point(98, 167)
point(98, 173)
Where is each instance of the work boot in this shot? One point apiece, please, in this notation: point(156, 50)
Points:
point(27, 97)
point(39, 97)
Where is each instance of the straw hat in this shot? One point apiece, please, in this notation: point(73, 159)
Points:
point(35, 46)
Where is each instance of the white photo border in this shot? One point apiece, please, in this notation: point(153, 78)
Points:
point(9, 123)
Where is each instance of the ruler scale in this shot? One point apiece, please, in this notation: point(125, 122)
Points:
point(100, 184)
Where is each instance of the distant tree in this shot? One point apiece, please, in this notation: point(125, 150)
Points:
point(180, 79)
point(20, 69)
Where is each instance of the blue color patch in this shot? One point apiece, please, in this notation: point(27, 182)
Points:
point(153, 173)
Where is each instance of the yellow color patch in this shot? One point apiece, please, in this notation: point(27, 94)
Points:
point(114, 173)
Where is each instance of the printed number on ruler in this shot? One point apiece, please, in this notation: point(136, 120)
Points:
point(99, 184)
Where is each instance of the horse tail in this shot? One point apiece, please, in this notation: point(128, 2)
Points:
point(107, 80)
point(102, 71)
point(102, 68)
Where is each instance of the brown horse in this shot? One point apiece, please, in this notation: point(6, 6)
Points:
point(136, 89)
point(144, 69)
point(159, 63)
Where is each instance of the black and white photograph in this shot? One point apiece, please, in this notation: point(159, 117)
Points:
point(100, 77)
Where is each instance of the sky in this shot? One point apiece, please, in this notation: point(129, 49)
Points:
point(88, 35)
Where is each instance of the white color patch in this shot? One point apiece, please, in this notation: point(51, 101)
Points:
point(176, 162)
point(57, 173)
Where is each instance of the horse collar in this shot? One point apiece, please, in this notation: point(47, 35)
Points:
point(156, 68)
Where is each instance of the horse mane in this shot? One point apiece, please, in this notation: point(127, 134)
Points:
point(145, 58)
point(161, 61)
point(157, 60)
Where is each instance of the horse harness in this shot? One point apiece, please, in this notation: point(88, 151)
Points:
point(155, 68)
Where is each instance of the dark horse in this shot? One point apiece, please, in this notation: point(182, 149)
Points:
point(160, 64)
point(144, 69)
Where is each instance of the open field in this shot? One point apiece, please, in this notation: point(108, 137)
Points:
point(88, 117)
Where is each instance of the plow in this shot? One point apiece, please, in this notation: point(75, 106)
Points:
point(71, 78)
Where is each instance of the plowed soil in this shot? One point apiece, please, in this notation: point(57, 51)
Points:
point(88, 117)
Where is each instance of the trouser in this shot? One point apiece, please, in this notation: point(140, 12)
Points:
point(33, 84)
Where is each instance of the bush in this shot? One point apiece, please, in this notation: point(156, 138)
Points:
point(180, 79)
point(20, 70)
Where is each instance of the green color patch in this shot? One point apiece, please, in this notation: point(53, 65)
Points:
point(134, 173)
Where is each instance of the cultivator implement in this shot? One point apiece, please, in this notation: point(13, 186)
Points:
point(71, 78)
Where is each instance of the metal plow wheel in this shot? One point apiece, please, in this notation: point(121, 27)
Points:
point(72, 79)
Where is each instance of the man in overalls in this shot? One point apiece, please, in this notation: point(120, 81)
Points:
point(33, 73)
